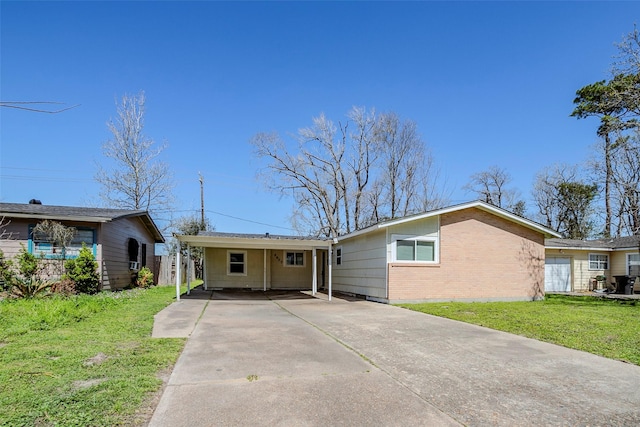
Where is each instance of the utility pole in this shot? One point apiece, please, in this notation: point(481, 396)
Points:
point(202, 224)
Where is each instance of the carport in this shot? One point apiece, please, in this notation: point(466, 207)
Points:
point(259, 261)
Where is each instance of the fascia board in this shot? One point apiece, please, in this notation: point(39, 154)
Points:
point(252, 243)
point(56, 217)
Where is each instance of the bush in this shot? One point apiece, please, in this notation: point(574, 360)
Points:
point(27, 281)
point(83, 271)
point(145, 278)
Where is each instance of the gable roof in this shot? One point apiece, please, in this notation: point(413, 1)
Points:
point(475, 204)
point(78, 214)
point(609, 244)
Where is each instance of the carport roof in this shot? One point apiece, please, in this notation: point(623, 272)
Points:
point(214, 239)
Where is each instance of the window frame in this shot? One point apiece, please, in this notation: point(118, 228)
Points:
point(339, 255)
point(285, 259)
point(629, 255)
point(599, 262)
point(415, 239)
point(71, 252)
point(244, 262)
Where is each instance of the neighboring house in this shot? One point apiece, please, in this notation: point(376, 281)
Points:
point(122, 240)
point(575, 265)
point(470, 252)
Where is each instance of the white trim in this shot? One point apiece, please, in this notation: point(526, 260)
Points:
point(304, 258)
point(339, 257)
point(628, 272)
point(404, 237)
point(244, 263)
point(598, 269)
point(476, 204)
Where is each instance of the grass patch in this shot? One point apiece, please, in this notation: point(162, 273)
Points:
point(608, 328)
point(82, 360)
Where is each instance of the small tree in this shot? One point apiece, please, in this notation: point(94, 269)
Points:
point(145, 278)
point(83, 271)
point(191, 226)
point(60, 236)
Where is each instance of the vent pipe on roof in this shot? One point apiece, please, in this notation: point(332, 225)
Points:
point(35, 202)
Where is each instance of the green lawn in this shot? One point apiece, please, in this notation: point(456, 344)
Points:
point(83, 361)
point(605, 327)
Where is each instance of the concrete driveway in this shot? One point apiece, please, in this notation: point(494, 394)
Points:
point(288, 359)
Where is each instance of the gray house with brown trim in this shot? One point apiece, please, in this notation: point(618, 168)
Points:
point(122, 240)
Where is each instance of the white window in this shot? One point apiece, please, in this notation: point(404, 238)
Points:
point(415, 249)
point(598, 262)
point(633, 265)
point(293, 259)
point(237, 263)
point(339, 255)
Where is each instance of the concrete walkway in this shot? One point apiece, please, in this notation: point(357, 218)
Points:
point(289, 359)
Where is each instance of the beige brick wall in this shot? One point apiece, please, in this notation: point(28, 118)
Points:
point(482, 257)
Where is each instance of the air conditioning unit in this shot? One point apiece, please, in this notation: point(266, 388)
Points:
point(133, 265)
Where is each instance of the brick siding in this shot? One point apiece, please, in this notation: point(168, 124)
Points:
point(482, 257)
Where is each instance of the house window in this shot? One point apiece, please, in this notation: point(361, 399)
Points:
point(40, 244)
point(598, 262)
point(237, 263)
point(415, 249)
point(294, 259)
point(339, 256)
point(633, 265)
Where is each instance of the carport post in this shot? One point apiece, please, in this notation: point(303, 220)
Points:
point(204, 268)
point(330, 263)
point(178, 275)
point(264, 269)
point(188, 269)
point(314, 282)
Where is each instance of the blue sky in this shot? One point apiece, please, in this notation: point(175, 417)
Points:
point(488, 83)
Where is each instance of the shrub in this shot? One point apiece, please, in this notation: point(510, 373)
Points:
point(27, 281)
point(83, 271)
point(6, 273)
point(145, 278)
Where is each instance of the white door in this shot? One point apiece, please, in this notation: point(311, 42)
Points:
point(557, 274)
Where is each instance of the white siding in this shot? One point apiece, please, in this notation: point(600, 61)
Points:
point(364, 265)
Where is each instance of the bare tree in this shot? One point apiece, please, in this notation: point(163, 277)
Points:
point(565, 202)
point(625, 176)
point(491, 186)
point(344, 177)
point(136, 178)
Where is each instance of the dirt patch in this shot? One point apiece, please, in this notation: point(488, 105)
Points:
point(82, 384)
point(96, 360)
